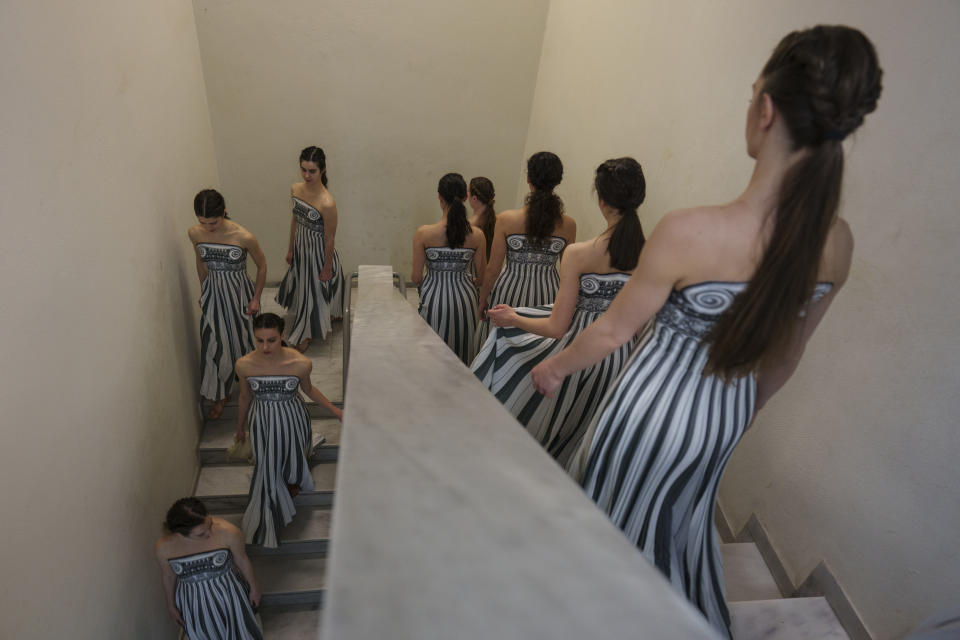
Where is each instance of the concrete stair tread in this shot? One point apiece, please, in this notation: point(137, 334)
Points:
point(279, 575)
point(234, 480)
point(746, 574)
point(785, 619)
point(300, 623)
point(218, 434)
point(309, 524)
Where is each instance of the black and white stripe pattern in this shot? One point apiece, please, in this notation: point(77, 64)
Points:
point(448, 299)
point(509, 354)
point(226, 331)
point(280, 437)
point(314, 302)
point(653, 458)
point(213, 598)
point(529, 277)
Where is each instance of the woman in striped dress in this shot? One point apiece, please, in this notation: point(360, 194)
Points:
point(591, 275)
point(313, 285)
point(735, 291)
point(280, 433)
point(531, 240)
point(228, 300)
point(207, 577)
point(448, 295)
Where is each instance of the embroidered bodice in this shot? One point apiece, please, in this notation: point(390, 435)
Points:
point(307, 215)
point(597, 290)
point(222, 257)
point(202, 566)
point(447, 259)
point(521, 251)
point(274, 388)
point(694, 310)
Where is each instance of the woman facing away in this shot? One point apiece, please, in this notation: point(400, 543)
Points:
point(280, 433)
point(207, 577)
point(531, 239)
point(591, 275)
point(481, 197)
point(228, 299)
point(736, 290)
point(448, 295)
point(314, 283)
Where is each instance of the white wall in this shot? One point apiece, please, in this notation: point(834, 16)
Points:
point(105, 138)
point(856, 460)
point(397, 94)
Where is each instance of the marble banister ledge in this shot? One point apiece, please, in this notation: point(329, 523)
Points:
point(451, 522)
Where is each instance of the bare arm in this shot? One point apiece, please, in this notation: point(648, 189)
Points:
point(480, 258)
point(419, 257)
point(329, 215)
point(260, 260)
point(201, 267)
point(658, 269)
point(169, 581)
point(498, 251)
point(293, 234)
point(234, 539)
point(559, 319)
point(243, 402)
point(306, 385)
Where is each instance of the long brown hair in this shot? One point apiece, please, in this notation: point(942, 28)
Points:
point(483, 189)
point(544, 207)
point(453, 189)
point(823, 81)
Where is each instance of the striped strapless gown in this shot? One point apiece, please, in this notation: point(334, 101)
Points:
point(226, 331)
point(509, 354)
point(529, 277)
point(280, 437)
point(448, 298)
point(313, 302)
point(654, 456)
point(213, 598)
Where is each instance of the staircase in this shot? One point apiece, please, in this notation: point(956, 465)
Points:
point(291, 576)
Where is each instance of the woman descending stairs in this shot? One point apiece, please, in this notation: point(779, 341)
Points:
point(291, 576)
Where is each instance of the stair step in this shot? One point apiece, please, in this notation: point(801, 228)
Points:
point(309, 532)
point(746, 574)
point(291, 623)
point(218, 435)
point(225, 488)
point(290, 580)
point(230, 410)
point(785, 619)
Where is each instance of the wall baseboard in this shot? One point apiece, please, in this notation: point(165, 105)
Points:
point(820, 582)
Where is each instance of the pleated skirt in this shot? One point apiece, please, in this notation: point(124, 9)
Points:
point(226, 331)
point(559, 423)
point(217, 609)
point(448, 302)
point(314, 302)
point(280, 437)
point(653, 458)
point(521, 284)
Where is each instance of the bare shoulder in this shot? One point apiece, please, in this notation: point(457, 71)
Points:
point(326, 200)
point(162, 548)
point(194, 233)
point(295, 188)
point(511, 220)
point(298, 360)
point(226, 529)
point(837, 254)
point(243, 364)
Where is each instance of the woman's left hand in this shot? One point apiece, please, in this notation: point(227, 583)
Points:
point(339, 414)
point(326, 273)
point(502, 315)
point(253, 308)
point(255, 596)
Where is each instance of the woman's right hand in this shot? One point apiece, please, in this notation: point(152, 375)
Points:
point(290, 256)
point(502, 315)
point(174, 614)
point(241, 435)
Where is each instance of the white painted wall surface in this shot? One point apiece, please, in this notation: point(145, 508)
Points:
point(397, 94)
point(855, 461)
point(105, 139)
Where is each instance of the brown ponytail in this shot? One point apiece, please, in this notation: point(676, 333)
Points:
point(823, 81)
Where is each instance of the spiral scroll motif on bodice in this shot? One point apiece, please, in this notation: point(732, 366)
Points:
point(712, 301)
point(515, 242)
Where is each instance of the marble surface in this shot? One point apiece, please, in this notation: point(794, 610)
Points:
point(309, 523)
point(746, 574)
point(451, 522)
point(218, 434)
point(785, 619)
point(287, 574)
point(229, 480)
point(296, 624)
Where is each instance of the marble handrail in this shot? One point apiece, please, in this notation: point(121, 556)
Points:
point(450, 522)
